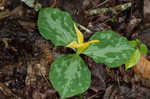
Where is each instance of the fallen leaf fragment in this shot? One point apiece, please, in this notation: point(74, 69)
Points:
point(29, 26)
point(6, 91)
point(18, 11)
point(2, 4)
point(4, 14)
point(5, 41)
point(131, 25)
point(146, 10)
point(45, 47)
point(31, 77)
point(53, 4)
point(143, 67)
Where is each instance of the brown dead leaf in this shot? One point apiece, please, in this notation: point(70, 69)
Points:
point(131, 25)
point(18, 11)
point(31, 77)
point(143, 67)
point(2, 4)
point(146, 7)
point(35, 69)
point(53, 4)
point(4, 14)
point(45, 47)
point(29, 26)
point(5, 41)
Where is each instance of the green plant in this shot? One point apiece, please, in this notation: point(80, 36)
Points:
point(140, 48)
point(69, 74)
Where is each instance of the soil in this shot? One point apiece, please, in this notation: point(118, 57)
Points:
point(26, 56)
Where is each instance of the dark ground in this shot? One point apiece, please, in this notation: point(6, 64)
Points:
point(26, 57)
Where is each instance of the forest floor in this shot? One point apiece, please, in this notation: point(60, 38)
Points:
point(26, 56)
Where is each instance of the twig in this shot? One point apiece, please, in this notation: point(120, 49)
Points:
point(102, 3)
point(92, 97)
point(45, 78)
point(84, 28)
point(114, 10)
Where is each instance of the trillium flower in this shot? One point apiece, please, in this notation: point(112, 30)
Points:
point(80, 45)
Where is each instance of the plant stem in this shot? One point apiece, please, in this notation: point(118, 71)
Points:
point(84, 28)
point(78, 52)
point(81, 97)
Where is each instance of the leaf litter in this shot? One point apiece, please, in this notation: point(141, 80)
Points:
point(26, 57)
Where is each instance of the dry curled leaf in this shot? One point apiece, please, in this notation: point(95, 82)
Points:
point(146, 9)
point(143, 67)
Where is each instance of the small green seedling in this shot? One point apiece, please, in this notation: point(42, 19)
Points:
point(140, 48)
point(69, 74)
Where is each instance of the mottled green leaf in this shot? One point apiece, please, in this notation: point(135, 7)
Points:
point(143, 49)
point(69, 75)
point(112, 49)
point(56, 25)
point(133, 60)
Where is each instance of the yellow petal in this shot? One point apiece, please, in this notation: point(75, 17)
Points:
point(79, 35)
point(73, 44)
point(93, 41)
point(82, 47)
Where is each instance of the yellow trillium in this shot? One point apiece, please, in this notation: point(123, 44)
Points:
point(80, 45)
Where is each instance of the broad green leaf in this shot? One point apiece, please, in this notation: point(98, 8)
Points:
point(138, 41)
point(133, 42)
point(56, 25)
point(143, 49)
point(69, 75)
point(133, 60)
point(112, 49)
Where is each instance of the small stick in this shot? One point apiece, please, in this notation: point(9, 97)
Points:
point(45, 78)
point(102, 3)
point(84, 28)
point(53, 4)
